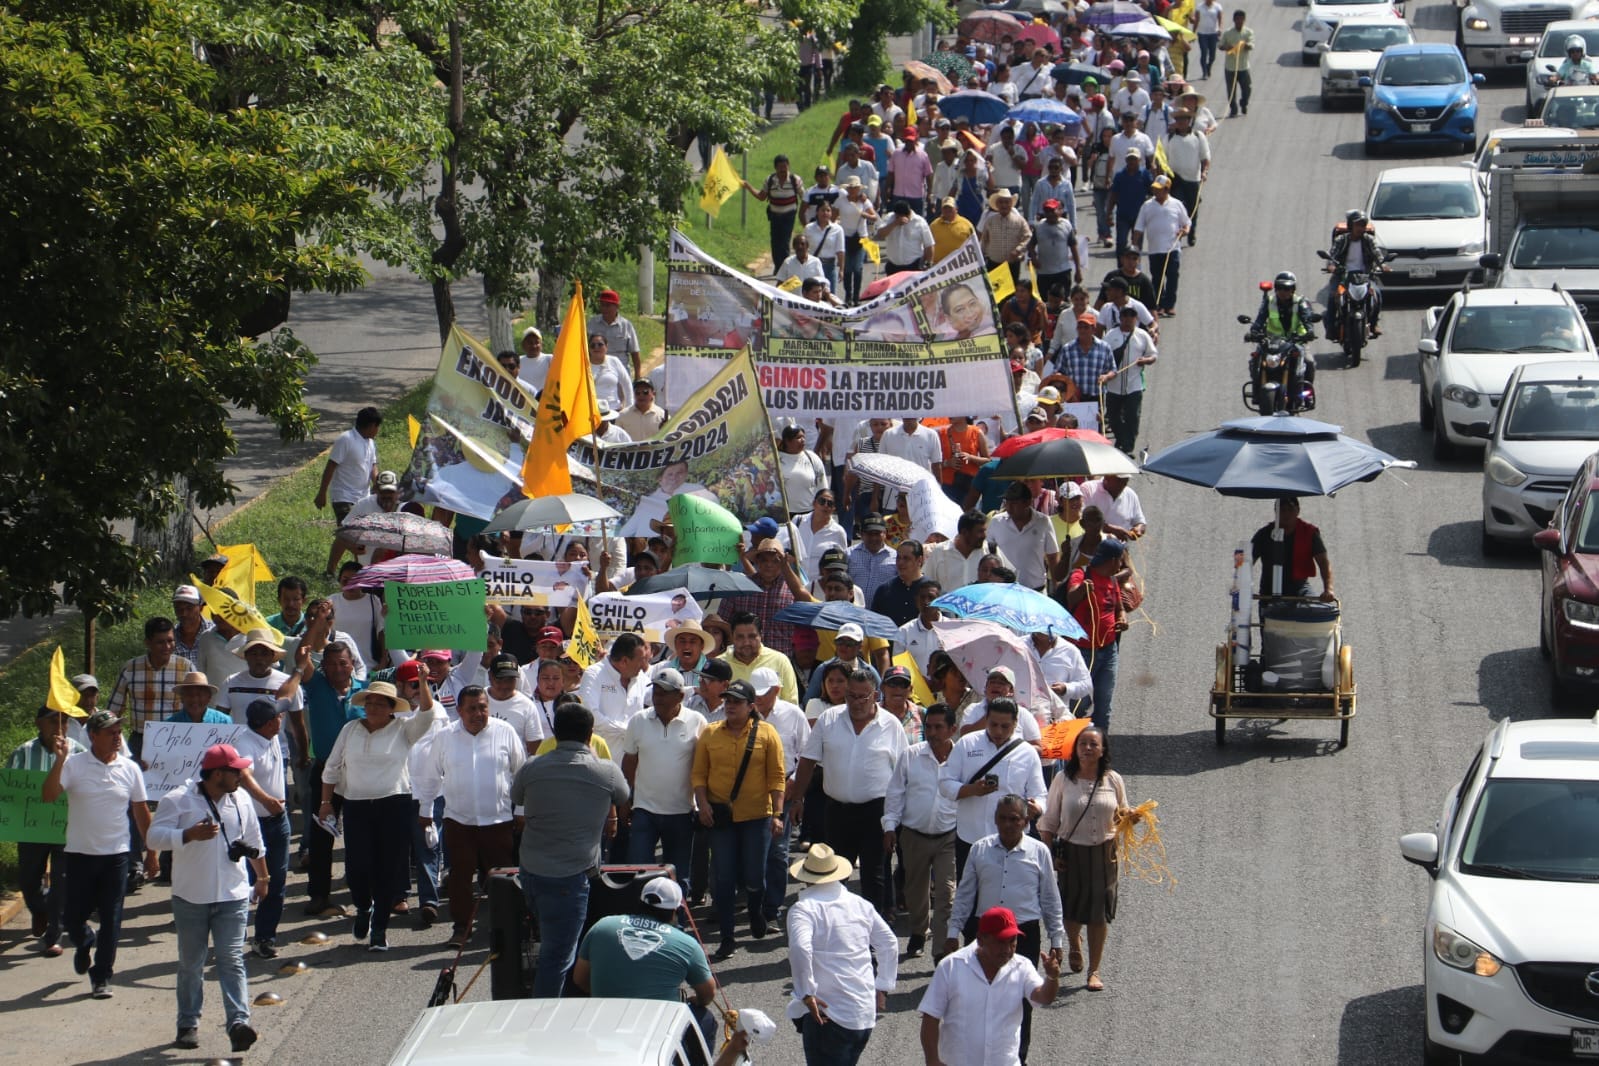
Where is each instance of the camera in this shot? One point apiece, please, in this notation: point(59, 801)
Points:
point(238, 849)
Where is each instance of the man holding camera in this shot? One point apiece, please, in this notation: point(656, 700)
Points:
point(211, 832)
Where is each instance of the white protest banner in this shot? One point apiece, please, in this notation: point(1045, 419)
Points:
point(929, 345)
point(532, 582)
point(651, 615)
point(173, 750)
point(1087, 414)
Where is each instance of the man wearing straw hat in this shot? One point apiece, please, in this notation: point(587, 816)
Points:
point(261, 679)
point(196, 696)
point(833, 936)
point(1003, 233)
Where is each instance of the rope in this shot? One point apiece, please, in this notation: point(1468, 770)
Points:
point(1140, 851)
point(729, 1015)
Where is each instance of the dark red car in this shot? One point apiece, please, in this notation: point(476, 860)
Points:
point(1568, 626)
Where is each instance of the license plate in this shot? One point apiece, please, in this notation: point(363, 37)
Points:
point(1421, 127)
point(1585, 1042)
point(1423, 272)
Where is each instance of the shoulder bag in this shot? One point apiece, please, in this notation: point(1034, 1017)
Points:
point(722, 813)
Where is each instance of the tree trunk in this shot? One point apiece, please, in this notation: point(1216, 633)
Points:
point(502, 317)
point(172, 541)
point(444, 205)
point(551, 305)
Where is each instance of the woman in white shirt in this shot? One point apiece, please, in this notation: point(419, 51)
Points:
point(827, 238)
point(804, 473)
point(367, 767)
point(612, 382)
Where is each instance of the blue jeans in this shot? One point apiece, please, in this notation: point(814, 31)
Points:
point(1124, 228)
point(223, 925)
point(675, 832)
point(831, 1044)
point(830, 272)
point(96, 883)
point(854, 270)
point(1102, 672)
point(560, 904)
point(1207, 51)
point(776, 874)
point(275, 831)
point(738, 853)
point(1102, 213)
point(426, 861)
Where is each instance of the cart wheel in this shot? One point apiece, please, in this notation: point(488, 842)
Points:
point(1221, 732)
point(1346, 670)
point(1343, 734)
point(1224, 668)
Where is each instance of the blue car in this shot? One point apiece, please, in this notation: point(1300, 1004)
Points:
point(1421, 94)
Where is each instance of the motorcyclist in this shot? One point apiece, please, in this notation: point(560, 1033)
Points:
point(1284, 313)
point(1577, 68)
point(1357, 248)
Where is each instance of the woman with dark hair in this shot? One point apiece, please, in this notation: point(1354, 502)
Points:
point(1080, 813)
point(804, 473)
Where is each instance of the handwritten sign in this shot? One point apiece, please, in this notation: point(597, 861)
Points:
point(24, 815)
point(445, 615)
point(651, 615)
point(173, 750)
point(532, 582)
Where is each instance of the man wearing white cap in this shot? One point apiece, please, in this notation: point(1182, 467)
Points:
point(846, 650)
point(192, 624)
point(833, 937)
point(985, 766)
point(658, 762)
point(535, 360)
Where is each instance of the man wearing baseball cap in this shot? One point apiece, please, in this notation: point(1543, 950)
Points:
point(192, 623)
point(621, 339)
point(973, 1009)
point(212, 833)
point(847, 646)
point(658, 761)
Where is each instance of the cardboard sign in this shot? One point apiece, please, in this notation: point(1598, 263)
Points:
point(444, 615)
point(532, 582)
point(24, 815)
point(173, 750)
point(650, 616)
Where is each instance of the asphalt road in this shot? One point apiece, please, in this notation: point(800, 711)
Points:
point(1293, 932)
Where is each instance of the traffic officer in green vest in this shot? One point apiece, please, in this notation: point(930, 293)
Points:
point(1284, 313)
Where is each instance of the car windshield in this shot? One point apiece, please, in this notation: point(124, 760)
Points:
point(1422, 70)
point(1554, 44)
point(1576, 111)
point(1555, 247)
point(1517, 330)
point(1534, 828)
point(1400, 200)
point(1370, 38)
point(1554, 410)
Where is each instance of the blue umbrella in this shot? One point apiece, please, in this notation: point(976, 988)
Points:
point(1113, 13)
point(1045, 110)
point(832, 614)
point(1272, 456)
point(974, 105)
point(1013, 606)
point(1077, 73)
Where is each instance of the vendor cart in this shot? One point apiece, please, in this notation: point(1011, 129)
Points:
point(1291, 664)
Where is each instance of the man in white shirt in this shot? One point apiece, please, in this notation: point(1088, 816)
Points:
point(1161, 225)
point(1116, 500)
point(1123, 389)
point(826, 239)
point(851, 165)
point(658, 762)
point(953, 564)
point(918, 637)
point(909, 439)
point(860, 745)
point(1065, 671)
point(977, 775)
point(472, 763)
point(1002, 86)
point(1006, 159)
point(1026, 536)
point(1000, 684)
point(1033, 80)
point(1188, 155)
point(513, 707)
point(535, 367)
point(906, 241)
point(920, 819)
point(210, 830)
point(351, 466)
point(615, 689)
point(1131, 98)
point(833, 939)
point(267, 786)
point(1131, 137)
point(260, 679)
point(975, 1006)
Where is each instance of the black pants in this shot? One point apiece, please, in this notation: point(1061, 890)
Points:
point(1237, 92)
point(1014, 267)
point(96, 883)
point(1187, 193)
point(855, 831)
point(377, 850)
point(896, 268)
point(782, 232)
point(319, 870)
point(1122, 416)
point(1029, 946)
point(1048, 282)
point(1164, 268)
point(34, 861)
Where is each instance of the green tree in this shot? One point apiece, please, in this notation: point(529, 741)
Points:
point(153, 230)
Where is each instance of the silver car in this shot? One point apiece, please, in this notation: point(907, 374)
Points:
point(1352, 53)
point(1547, 424)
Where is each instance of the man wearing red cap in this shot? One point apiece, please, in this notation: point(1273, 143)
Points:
point(211, 833)
point(621, 339)
point(980, 991)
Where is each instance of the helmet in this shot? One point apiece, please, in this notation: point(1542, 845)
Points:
point(1575, 43)
point(1285, 280)
point(1357, 215)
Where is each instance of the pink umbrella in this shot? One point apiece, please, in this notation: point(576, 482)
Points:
point(413, 570)
point(1041, 35)
point(976, 647)
point(888, 281)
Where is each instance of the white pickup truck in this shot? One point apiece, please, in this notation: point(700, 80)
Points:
point(1501, 34)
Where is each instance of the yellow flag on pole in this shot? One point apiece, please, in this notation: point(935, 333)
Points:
point(791, 284)
point(246, 569)
point(910, 112)
point(1001, 282)
point(567, 410)
point(584, 647)
point(721, 182)
point(920, 692)
point(1162, 164)
point(873, 250)
point(62, 696)
point(413, 427)
point(236, 613)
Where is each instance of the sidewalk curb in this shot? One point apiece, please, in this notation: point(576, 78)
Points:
point(11, 904)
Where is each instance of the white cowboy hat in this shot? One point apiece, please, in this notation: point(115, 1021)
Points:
point(819, 866)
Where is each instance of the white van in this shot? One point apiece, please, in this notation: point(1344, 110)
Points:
point(556, 1032)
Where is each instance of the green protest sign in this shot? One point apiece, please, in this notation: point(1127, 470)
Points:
point(447, 615)
point(707, 532)
point(26, 817)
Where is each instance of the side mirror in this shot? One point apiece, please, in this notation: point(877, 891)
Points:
point(1526, 57)
point(1427, 346)
point(1547, 540)
point(1365, 81)
point(1320, 254)
point(1421, 849)
point(1244, 320)
point(1478, 79)
point(1479, 430)
point(1490, 261)
point(1324, 48)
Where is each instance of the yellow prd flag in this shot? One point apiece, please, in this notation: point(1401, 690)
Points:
point(721, 182)
point(567, 410)
point(62, 696)
point(584, 647)
point(791, 284)
point(910, 112)
point(1162, 164)
point(873, 250)
point(414, 428)
point(236, 613)
point(1001, 282)
point(246, 569)
point(920, 693)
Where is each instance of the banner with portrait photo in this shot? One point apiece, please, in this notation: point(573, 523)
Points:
point(717, 445)
point(928, 345)
point(534, 583)
point(652, 615)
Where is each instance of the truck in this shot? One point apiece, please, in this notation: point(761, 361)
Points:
point(1543, 215)
point(1502, 34)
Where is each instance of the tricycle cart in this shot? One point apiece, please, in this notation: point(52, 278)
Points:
point(1293, 664)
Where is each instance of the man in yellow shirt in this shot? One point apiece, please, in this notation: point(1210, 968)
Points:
point(739, 777)
point(748, 655)
point(949, 229)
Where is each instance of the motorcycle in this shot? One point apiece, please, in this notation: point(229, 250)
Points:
point(1273, 384)
point(1352, 291)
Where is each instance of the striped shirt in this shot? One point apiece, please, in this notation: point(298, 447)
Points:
point(146, 693)
point(35, 756)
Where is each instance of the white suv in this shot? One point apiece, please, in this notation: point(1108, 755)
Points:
point(1511, 945)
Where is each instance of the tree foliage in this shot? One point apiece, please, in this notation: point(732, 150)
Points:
point(151, 226)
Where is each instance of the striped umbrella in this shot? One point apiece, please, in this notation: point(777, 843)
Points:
point(413, 570)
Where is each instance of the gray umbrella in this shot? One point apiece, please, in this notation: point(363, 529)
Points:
point(566, 509)
point(1272, 456)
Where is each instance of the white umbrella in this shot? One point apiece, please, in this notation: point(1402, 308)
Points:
point(565, 509)
point(931, 511)
point(976, 647)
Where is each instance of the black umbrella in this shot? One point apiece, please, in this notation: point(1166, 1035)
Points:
point(1077, 73)
point(1272, 456)
point(701, 582)
point(1065, 457)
